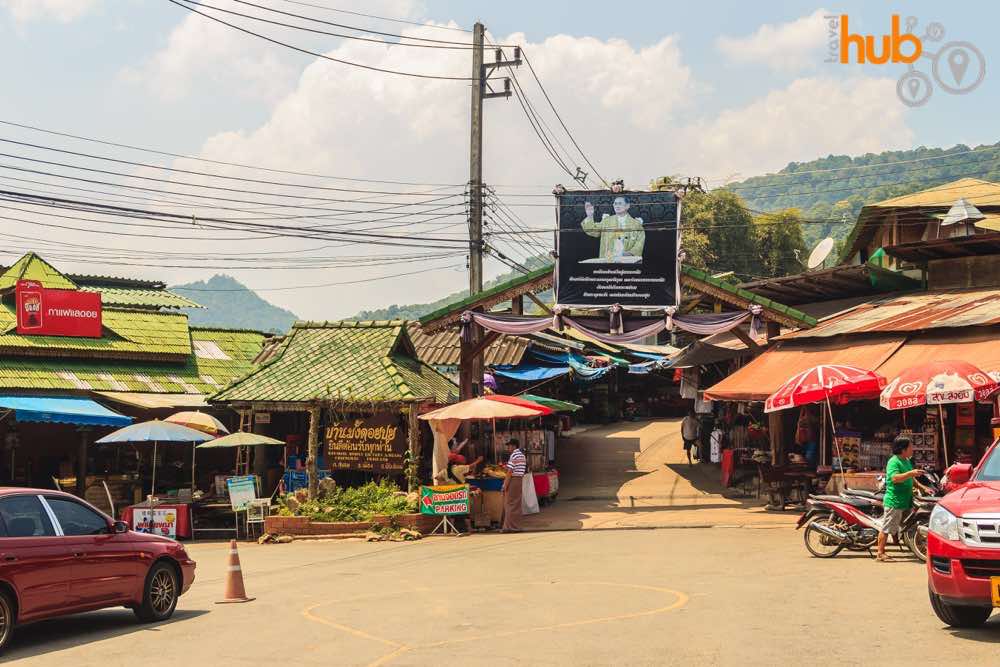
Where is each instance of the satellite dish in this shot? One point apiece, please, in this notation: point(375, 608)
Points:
point(820, 253)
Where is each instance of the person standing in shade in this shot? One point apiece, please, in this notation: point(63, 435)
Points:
point(900, 476)
point(517, 466)
point(689, 432)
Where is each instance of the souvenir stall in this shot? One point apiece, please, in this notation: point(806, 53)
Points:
point(497, 419)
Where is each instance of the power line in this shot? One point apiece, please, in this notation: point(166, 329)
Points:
point(223, 163)
point(559, 118)
point(316, 54)
point(435, 43)
point(372, 16)
point(337, 284)
point(194, 172)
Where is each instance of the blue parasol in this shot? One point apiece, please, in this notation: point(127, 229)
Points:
point(155, 431)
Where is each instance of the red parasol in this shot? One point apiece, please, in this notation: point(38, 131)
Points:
point(833, 382)
point(938, 383)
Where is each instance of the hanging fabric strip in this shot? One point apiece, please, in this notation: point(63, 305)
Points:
point(702, 324)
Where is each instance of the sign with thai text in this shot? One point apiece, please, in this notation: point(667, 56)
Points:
point(618, 248)
point(371, 444)
point(242, 492)
point(445, 500)
point(57, 312)
point(156, 522)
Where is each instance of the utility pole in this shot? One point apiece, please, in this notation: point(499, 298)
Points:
point(471, 369)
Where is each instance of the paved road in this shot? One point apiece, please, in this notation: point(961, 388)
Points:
point(625, 597)
point(636, 475)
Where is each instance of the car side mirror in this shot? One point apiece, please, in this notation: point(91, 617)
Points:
point(119, 527)
point(959, 474)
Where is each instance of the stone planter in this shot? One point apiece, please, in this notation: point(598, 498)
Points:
point(301, 525)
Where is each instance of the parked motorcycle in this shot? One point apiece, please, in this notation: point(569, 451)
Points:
point(835, 523)
point(852, 519)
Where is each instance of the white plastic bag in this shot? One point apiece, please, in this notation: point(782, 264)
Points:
point(529, 500)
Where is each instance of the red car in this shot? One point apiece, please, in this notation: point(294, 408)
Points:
point(59, 555)
point(963, 544)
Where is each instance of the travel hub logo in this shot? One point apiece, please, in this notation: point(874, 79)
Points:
point(956, 67)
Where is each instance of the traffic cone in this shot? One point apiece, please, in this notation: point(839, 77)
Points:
point(234, 578)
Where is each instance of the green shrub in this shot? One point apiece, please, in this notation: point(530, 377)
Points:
point(360, 503)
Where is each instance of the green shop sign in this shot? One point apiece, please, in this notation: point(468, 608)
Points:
point(445, 500)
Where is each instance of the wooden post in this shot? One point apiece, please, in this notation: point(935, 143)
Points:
point(313, 453)
point(413, 438)
point(81, 462)
point(773, 330)
point(774, 428)
point(517, 305)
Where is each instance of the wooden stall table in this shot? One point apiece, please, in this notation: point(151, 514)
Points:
point(167, 519)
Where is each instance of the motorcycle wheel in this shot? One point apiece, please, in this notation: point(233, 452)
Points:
point(818, 544)
point(916, 543)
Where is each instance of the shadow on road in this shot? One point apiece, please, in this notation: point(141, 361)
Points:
point(62, 633)
point(987, 634)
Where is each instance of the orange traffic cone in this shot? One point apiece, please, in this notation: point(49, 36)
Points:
point(234, 578)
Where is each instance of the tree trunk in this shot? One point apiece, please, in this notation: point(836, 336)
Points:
point(313, 454)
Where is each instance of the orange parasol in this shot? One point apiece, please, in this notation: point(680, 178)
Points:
point(200, 421)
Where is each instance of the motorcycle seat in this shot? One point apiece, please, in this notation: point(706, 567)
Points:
point(847, 500)
point(858, 493)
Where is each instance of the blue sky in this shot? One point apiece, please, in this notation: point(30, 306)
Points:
point(653, 88)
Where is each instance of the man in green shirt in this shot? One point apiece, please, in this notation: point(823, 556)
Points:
point(900, 477)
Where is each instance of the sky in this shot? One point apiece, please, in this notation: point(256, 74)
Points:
point(719, 90)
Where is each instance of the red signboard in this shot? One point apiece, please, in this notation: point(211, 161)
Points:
point(57, 312)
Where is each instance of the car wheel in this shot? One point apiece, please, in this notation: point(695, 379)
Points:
point(958, 616)
point(159, 597)
point(6, 620)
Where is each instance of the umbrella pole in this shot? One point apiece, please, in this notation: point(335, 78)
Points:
point(152, 487)
point(944, 435)
point(833, 433)
point(194, 453)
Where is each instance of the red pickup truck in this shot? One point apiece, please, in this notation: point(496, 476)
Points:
point(963, 544)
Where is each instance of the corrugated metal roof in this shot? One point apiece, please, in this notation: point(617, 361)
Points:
point(973, 190)
point(937, 309)
point(444, 347)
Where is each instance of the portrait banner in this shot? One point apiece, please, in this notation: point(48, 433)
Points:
point(618, 249)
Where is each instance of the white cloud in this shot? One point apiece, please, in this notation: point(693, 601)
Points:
point(786, 47)
point(621, 103)
point(63, 11)
point(809, 118)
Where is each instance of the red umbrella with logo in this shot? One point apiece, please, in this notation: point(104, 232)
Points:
point(938, 383)
point(826, 383)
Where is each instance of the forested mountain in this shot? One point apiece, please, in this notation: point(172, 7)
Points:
point(835, 188)
point(228, 303)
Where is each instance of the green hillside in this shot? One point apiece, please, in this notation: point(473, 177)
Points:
point(417, 310)
point(228, 303)
point(835, 188)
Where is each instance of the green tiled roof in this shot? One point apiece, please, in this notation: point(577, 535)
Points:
point(33, 267)
point(195, 375)
point(352, 361)
point(462, 303)
point(134, 332)
point(141, 298)
point(750, 297)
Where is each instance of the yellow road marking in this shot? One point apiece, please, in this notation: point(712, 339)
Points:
point(400, 648)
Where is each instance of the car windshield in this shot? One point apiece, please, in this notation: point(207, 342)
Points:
point(989, 469)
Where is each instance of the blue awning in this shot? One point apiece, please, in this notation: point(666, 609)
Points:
point(62, 410)
point(529, 373)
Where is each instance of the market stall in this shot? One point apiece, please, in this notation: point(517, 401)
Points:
point(485, 412)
